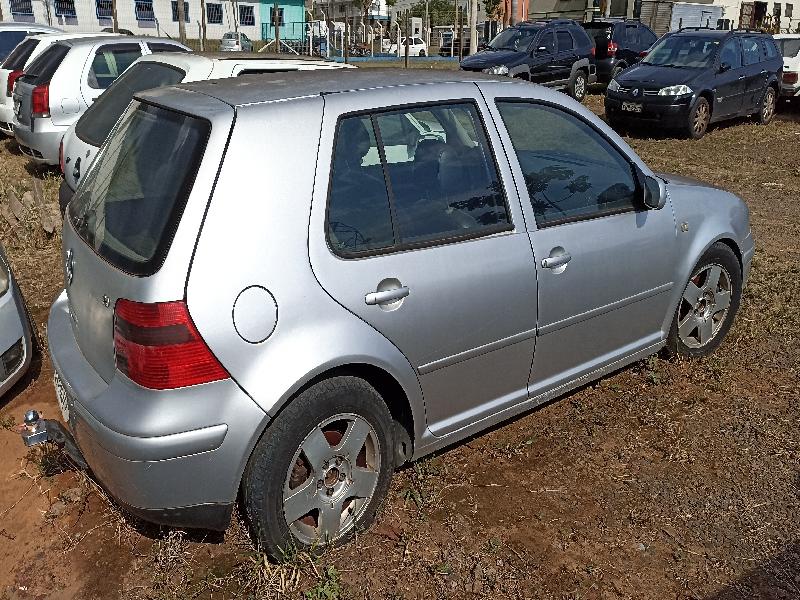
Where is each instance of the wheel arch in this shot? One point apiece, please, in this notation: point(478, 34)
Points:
point(709, 96)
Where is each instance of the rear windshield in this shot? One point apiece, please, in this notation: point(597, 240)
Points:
point(42, 69)
point(9, 41)
point(229, 36)
point(162, 47)
point(20, 55)
point(128, 207)
point(96, 123)
point(789, 47)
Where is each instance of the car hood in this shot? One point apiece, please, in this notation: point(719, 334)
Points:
point(655, 76)
point(490, 58)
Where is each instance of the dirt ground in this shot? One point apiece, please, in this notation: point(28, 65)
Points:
point(669, 479)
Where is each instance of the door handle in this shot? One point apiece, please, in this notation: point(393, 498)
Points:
point(741, 77)
point(386, 296)
point(763, 71)
point(553, 262)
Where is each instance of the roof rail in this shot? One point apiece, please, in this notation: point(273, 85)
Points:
point(748, 30)
point(552, 21)
point(698, 28)
point(597, 17)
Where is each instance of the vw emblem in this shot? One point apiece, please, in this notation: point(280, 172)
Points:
point(69, 267)
point(635, 92)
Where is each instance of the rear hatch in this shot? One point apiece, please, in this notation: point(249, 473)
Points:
point(601, 35)
point(39, 73)
point(230, 41)
point(123, 218)
point(15, 62)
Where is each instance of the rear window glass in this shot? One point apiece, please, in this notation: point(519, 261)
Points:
point(42, 69)
point(161, 47)
point(20, 55)
point(9, 41)
point(96, 123)
point(109, 62)
point(229, 36)
point(128, 207)
point(789, 47)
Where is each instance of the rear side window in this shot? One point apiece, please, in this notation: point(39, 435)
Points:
point(42, 69)
point(96, 123)
point(751, 51)
point(20, 55)
point(769, 48)
point(109, 62)
point(564, 40)
point(9, 41)
point(128, 207)
point(413, 177)
point(161, 47)
point(632, 35)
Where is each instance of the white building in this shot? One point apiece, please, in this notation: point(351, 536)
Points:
point(786, 15)
point(142, 17)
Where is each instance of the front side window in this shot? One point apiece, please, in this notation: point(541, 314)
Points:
point(109, 62)
point(413, 176)
point(185, 11)
point(128, 206)
point(565, 42)
point(571, 171)
point(547, 42)
point(731, 54)
point(247, 16)
point(214, 13)
point(751, 51)
point(683, 51)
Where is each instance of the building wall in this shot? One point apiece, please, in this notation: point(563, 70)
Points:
point(294, 19)
point(733, 9)
point(87, 21)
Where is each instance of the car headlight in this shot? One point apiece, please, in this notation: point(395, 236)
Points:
point(675, 90)
point(613, 86)
point(497, 70)
point(5, 277)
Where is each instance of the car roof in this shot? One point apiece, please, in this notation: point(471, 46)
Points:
point(86, 41)
point(270, 87)
point(27, 26)
point(57, 37)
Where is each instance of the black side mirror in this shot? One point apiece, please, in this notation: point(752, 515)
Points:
point(483, 46)
point(724, 67)
point(655, 193)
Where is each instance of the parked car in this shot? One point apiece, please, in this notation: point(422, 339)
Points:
point(16, 338)
point(416, 47)
point(449, 48)
point(556, 53)
point(13, 66)
point(12, 33)
point(235, 42)
point(696, 77)
point(58, 86)
point(235, 318)
point(789, 47)
point(619, 43)
point(86, 135)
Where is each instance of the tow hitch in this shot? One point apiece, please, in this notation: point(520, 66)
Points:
point(36, 430)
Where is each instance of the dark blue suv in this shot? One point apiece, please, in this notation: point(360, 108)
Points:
point(556, 53)
point(696, 77)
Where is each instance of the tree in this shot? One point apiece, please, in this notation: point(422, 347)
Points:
point(440, 12)
point(494, 9)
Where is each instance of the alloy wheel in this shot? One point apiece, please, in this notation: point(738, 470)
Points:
point(332, 479)
point(701, 117)
point(580, 87)
point(769, 106)
point(704, 306)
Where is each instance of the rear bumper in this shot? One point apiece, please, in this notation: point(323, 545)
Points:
point(16, 345)
point(174, 457)
point(670, 115)
point(7, 119)
point(41, 142)
point(790, 91)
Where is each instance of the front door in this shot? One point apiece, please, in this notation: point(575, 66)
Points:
point(566, 54)
point(427, 244)
point(542, 64)
point(604, 265)
point(729, 83)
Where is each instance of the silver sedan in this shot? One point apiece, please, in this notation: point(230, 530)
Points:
point(15, 332)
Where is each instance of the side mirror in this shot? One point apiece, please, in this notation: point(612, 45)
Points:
point(655, 192)
point(483, 46)
point(724, 67)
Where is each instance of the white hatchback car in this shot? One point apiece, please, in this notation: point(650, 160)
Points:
point(69, 76)
point(22, 56)
point(11, 34)
point(84, 137)
point(416, 47)
point(789, 46)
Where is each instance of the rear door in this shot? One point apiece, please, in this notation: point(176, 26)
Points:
point(729, 85)
point(105, 63)
point(566, 54)
point(755, 72)
point(426, 243)
point(543, 63)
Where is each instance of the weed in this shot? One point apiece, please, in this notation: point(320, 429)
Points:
point(48, 459)
point(8, 423)
point(327, 588)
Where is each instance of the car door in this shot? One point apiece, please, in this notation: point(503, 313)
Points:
point(104, 64)
point(542, 61)
point(422, 237)
point(729, 80)
point(566, 54)
point(755, 72)
point(605, 265)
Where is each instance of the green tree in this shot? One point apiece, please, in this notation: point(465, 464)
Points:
point(440, 12)
point(494, 9)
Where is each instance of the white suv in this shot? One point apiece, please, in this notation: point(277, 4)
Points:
point(69, 76)
point(416, 47)
point(789, 46)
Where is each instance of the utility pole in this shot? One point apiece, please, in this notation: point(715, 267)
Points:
point(473, 26)
point(203, 40)
point(114, 22)
point(276, 22)
point(181, 22)
point(406, 40)
point(346, 41)
point(235, 6)
point(455, 28)
point(460, 34)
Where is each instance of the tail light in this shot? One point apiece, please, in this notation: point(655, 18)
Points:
point(158, 347)
point(12, 79)
point(643, 53)
point(790, 77)
point(612, 48)
point(40, 101)
point(61, 156)
point(594, 51)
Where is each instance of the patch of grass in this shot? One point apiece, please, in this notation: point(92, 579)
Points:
point(8, 423)
point(327, 588)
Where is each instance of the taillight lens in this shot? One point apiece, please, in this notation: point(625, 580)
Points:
point(40, 101)
point(61, 156)
point(158, 346)
point(12, 79)
point(643, 53)
point(612, 48)
point(790, 77)
point(594, 51)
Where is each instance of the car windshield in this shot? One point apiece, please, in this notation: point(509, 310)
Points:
point(129, 205)
point(789, 47)
point(683, 51)
point(513, 38)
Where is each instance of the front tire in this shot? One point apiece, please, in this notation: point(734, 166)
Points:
point(699, 118)
point(322, 468)
point(577, 86)
point(767, 111)
point(708, 305)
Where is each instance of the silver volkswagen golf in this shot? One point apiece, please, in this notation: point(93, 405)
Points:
point(285, 287)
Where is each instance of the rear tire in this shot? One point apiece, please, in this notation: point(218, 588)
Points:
point(767, 110)
point(321, 470)
point(699, 118)
point(422, 53)
point(577, 85)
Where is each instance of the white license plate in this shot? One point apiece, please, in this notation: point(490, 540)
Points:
point(631, 107)
point(64, 400)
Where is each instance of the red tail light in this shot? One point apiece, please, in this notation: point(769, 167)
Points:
point(12, 79)
point(594, 51)
point(643, 53)
point(61, 156)
point(790, 77)
point(612, 48)
point(40, 101)
point(158, 346)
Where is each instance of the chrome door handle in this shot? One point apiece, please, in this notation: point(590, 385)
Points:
point(741, 77)
point(763, 71)
point(553, 262)
point(387, 296)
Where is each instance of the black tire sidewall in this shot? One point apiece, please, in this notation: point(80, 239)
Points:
point(266, 471)
point(578, 73)
point(720, 254)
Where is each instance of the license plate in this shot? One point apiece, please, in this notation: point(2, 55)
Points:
point(631, 107)
point(64, 399)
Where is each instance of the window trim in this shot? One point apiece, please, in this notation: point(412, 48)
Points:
point(635, 169)
point(396, 247)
